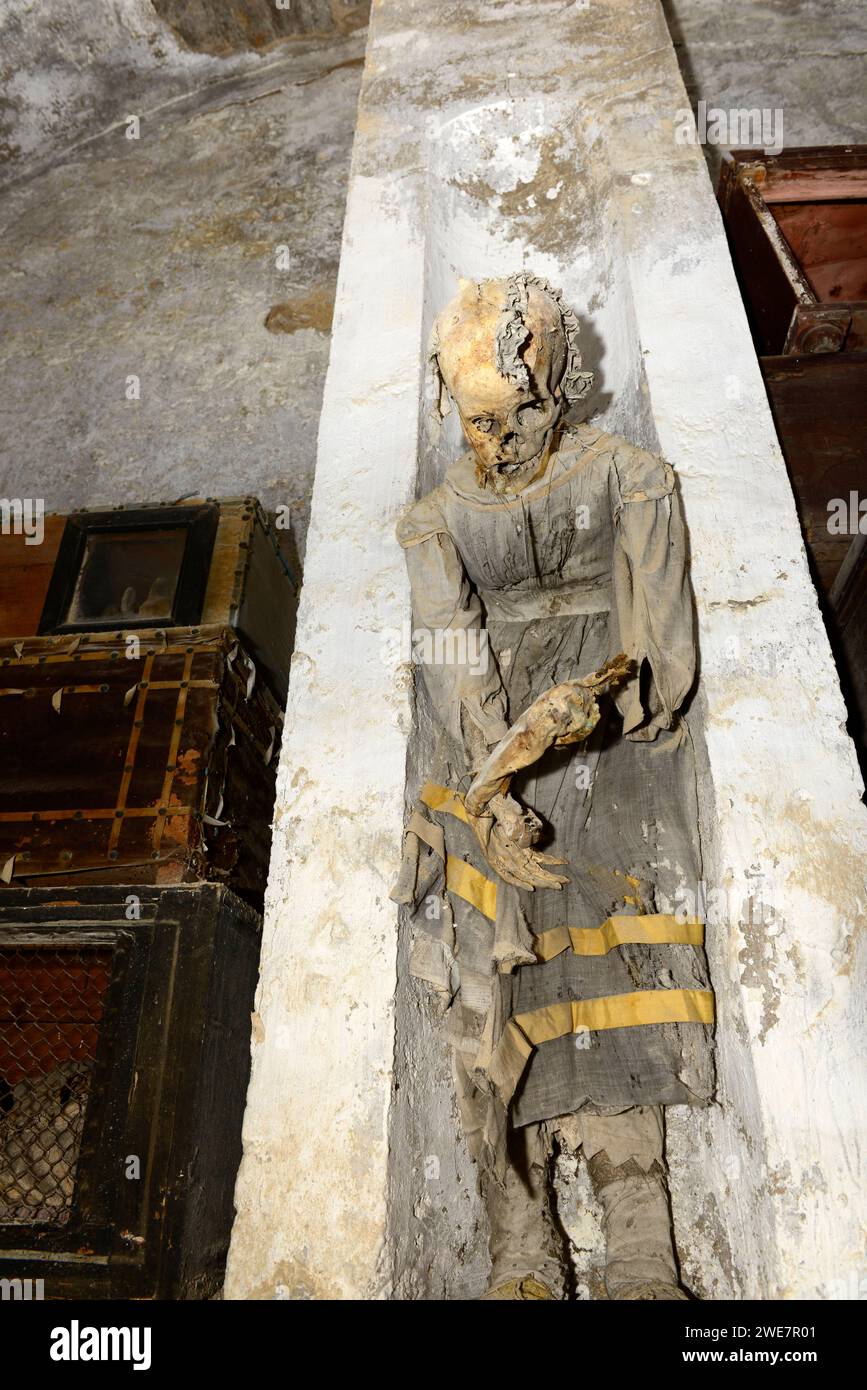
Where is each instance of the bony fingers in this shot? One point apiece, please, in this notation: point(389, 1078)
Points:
point(512, 876)
point(547, 880)
point(521, 875)
point(542, 877)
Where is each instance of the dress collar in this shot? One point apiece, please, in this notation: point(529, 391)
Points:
point(461, 476)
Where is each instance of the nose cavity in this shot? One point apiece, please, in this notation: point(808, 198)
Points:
point(511, 426)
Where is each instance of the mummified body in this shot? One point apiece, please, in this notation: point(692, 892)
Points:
point(544, 857)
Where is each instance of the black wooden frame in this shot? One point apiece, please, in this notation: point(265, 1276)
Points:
point(200, 524)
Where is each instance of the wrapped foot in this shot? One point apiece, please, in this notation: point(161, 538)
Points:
point(656, 1290)
point(520, 1289)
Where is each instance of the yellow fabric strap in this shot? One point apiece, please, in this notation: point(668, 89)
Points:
point(508, 1060)
point(472, 886)
point(430, 834)
point(525, 1031)
point(461, 878)
point(443, 799)
point(646, 1006)
point(652, 929)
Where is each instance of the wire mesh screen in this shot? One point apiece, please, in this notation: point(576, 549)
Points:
point(51, 1003)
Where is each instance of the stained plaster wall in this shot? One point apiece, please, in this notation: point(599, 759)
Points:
point(478, 152)
point(71, 70)
point(163, 257)
point(804, 58)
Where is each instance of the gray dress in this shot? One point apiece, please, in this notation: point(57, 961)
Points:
point(596, 996)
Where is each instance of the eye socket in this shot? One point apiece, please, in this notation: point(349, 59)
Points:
point(485, 424)
point(530, 410)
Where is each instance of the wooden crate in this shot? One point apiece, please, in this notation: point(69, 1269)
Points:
point(147, 568)
point(797, 227)
point(135, 758)
point(124, 1063)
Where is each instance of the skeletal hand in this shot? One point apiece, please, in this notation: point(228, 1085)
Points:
point(507, 832)
point(565, 714)
point(518, 822)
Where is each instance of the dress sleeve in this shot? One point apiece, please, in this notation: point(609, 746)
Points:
point(652, 595)
point(449, 640)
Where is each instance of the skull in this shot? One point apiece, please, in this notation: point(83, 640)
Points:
point(502, 350)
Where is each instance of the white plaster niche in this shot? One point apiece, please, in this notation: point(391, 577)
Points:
point(437, 1224)
point(541, 135)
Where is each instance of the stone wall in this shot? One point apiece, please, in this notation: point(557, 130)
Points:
point(73, 69)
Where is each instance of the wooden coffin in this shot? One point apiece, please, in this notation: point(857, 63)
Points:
point(130, 758)
point(209, 564)
point(797, 227)
point(124, 1063)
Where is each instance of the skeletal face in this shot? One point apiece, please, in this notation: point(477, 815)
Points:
point(509, 431)
point(501, 351)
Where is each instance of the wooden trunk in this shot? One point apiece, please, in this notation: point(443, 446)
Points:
point(124, 1062)
point(797, 227)
point(133, 758)
point(208, 564)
